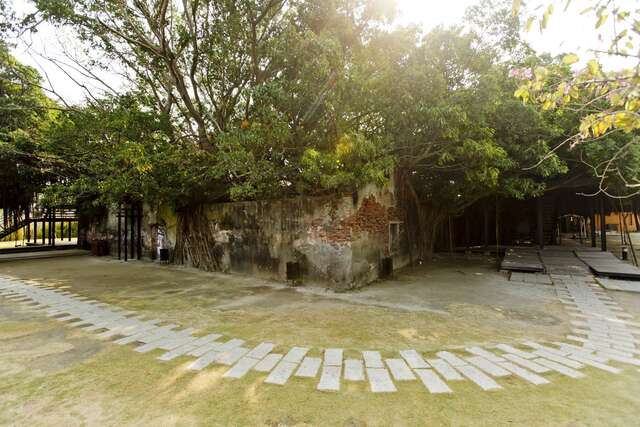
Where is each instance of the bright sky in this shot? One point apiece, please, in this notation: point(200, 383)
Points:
point(567, 33)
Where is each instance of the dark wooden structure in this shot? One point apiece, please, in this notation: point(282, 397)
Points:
point(497, 223)
point(129, 239)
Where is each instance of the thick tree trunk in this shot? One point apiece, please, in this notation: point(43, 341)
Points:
point(195, 243)
point(422, 221)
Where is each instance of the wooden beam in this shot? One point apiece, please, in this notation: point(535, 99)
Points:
point(603, 225)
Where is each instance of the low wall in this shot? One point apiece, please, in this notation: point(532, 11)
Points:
point(337, 241)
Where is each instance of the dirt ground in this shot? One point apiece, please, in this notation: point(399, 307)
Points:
point(51, 374)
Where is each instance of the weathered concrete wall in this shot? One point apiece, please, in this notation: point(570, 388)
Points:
point(337, 241)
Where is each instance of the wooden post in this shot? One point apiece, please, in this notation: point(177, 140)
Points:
point(44, 223)
point(467, 232)
point(62, 231)
point(119, 231)
point(27, 216)
point(139, 241)
point(35, 232)
point(69, 230)
point(450, 236)
point(603, 225)
point(53, 228)
point(125, 233)
point(540, 224)
point(133, 230)
point(485, 231)
point(592, 221)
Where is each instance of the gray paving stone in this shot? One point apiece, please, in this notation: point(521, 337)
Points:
point(400, 370)
point(295, 355)
point(281, 373)
point(204, 361)
point(353, 370)
point(562, 369)
point(330, 378)
point(199, 351)
point(432, 381)
point(548, 349)
point(268, 363)
point(309, 367)
point(173, 354)
point(559, 359)
point(261, 351)
point(414, 359)
point(207, 339)
point(618, 358)
point(488, 367)
point(372, 359)
point(485, 382)
point(451, 359)
point(229, 345)
point(230, 357)
point(517, 352)
point(380, 380)
point(484, 354)
point(598, 365)
point(523, 373)
point(241, 368)
point(447, 371)
point(333, 357)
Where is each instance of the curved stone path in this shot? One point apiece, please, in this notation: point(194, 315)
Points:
point(603, 337)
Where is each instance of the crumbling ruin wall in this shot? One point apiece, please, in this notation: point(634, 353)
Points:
point(337, 241)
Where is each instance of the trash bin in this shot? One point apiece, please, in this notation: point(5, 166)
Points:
point(164, 256)
point(99, 247)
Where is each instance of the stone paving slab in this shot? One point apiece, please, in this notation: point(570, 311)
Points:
point(595, 364)
point(562, 369)
point(523, 373)
point(485, 382)
point(268, 363)
point(400, 370)
point(353, 370)
point(230, 357)
point(204, 361)
point(261, 351)
point(281, 373)
point(451, 359)
point(180, 351)
point(512, 350)
point(333, 357)
point(296, 354)
point(484, 354)
point(309, 367)
point(414, 359)
point(559, 359)
point(447, 371)
point(330, 378)
point(372, 359)
point(432, 381)
point(488, 367)
point(241, 368)
point(380, 380)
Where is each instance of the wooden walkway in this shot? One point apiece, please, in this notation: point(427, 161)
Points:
point(606, 264)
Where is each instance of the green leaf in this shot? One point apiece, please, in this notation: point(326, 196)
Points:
point(601, 20)
point(594, 67)
point(529, 23)
point(515, 7)
point(570, 59)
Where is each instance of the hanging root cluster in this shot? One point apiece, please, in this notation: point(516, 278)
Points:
point(195, 244)
point(422, 219)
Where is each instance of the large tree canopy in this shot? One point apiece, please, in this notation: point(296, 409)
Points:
point(247, 99)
